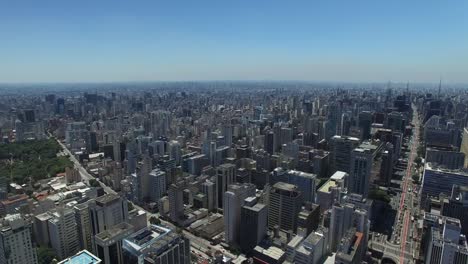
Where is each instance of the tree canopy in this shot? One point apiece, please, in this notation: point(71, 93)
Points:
point(31, 160)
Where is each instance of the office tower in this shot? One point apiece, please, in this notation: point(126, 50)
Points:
point(386, 166)
point(444, 243)
point(365, 123)
point(157, 184)
point(345, 124)
point(286, 135)
point(437, 180)
point(343, 218)
point(304, 181)
point(313, 249)
point(284, 205)
point(175, 152)
point(108, 243)
point(227, 134)
point(396, 121)
point(309, 218)
point(41, 229)
point(330, 191)
point(253, 225)
point(16, 240)
point(445, 157)
point(156, 244)
point(351, 248)
point(63, 232)
point(464, 146)
point(83, 226)
point(361, 167)
point(233, 201)
point(456, 206)
point(117, 151)
point(107, 211)
point(144, 178)
point(340, 151)
point(225, 175)
point(176, 202)
point(269, 142)
point(340, 222)
point(209, 190)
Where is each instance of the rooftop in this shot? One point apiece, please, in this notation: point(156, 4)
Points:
point(325, 188)
point(82, 257)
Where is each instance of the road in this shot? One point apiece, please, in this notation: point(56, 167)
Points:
point(406, 202)
point(85, 176)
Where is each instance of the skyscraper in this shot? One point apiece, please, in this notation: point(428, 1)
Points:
point(340, 151)
point(225, 175)
point(285, 204)
point(176, 202)
point(63, 232)
point(233, 202)
point(16, 240)
point(157, 184)
point(105, 212)
point(253, 225)
point(361, 167)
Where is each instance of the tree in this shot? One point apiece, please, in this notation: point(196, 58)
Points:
point(415, 177)
point(45, 255)
point(154, 220)
point(418, 161)
point(130, 206)
point(380, 195)
point(94, 183)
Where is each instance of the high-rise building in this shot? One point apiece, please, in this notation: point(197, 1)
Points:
point(16, 240)
point(253, 225)
point(233, 201)
point(350, 249)
point(284, 205)
point(444, 243)
point(109, 243)
point(340, 151)
point(464, 146)
point(445, 157)
point(156, 244)
point(361, 168)
point(83, 226)
point(225, 175)
point(105, 212)
point(343, 218)
point(63, 232)
point(303, 180)
point(386, 167)
point(144, 178)
point(365, 123)
point(313, 249)
point(209, 190)
point(157, 184)
point(437, 180)
point(456, 206)
point(175, 152)
point(309, 218)
point(330, 191)
point(176, 202)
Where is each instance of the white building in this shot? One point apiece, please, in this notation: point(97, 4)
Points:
point(16, 241)
point(233, 202)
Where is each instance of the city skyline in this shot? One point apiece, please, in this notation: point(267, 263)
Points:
point(366, 41)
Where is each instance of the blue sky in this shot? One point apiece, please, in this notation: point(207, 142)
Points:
point(111, 40)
